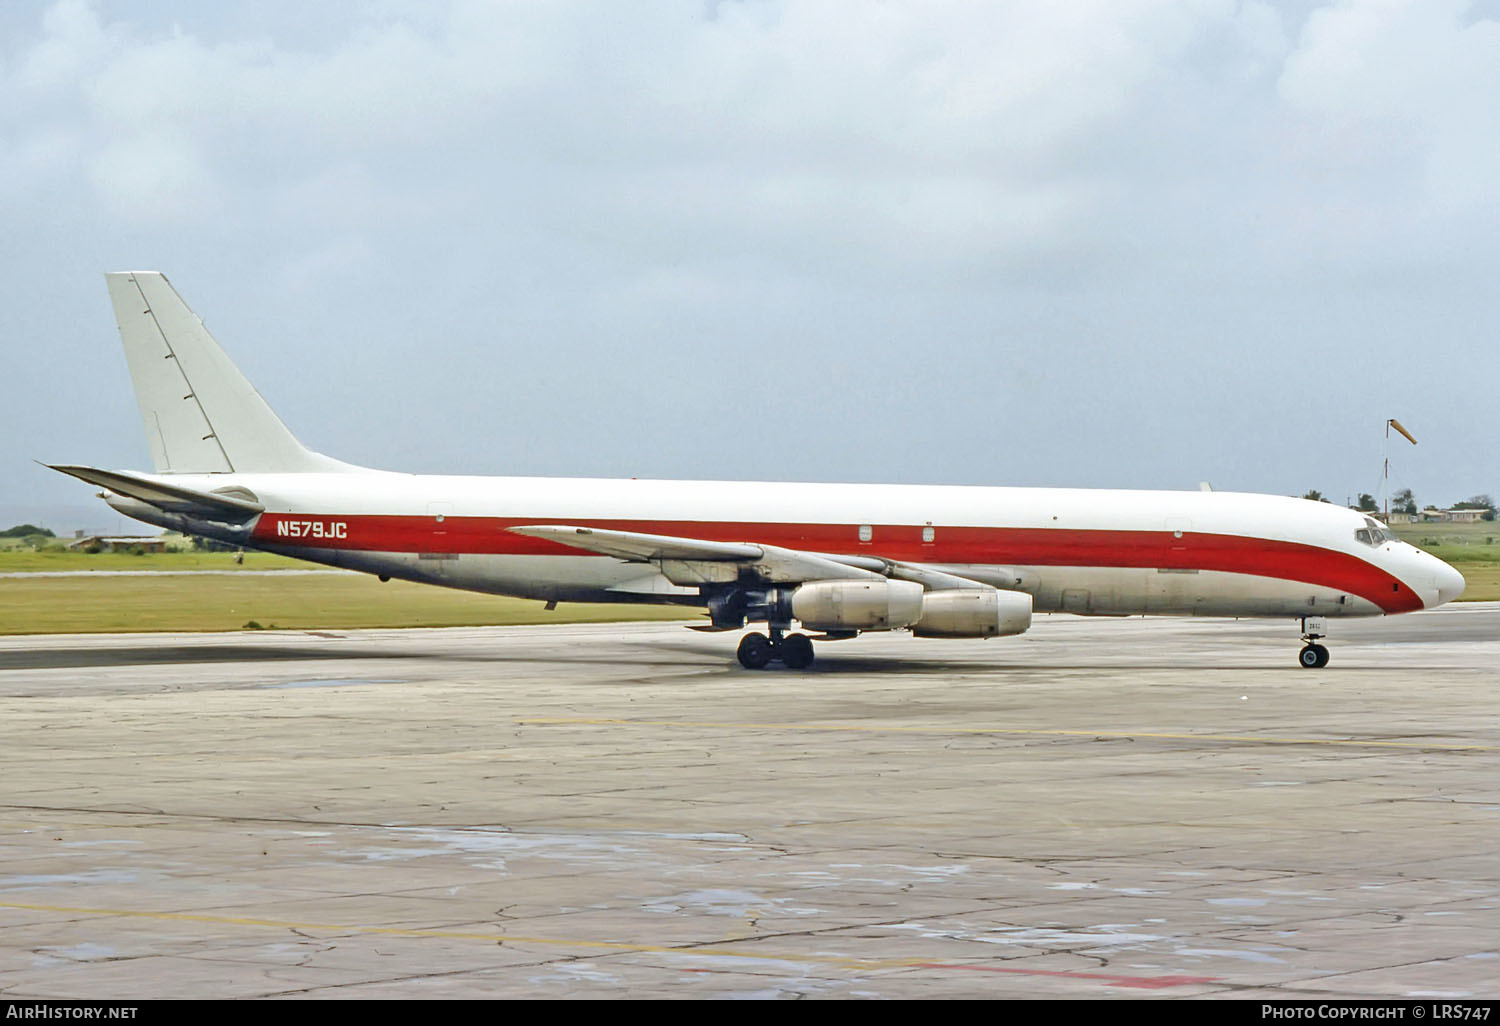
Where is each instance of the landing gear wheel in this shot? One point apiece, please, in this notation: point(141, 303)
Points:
point(797, 651)
point(755, 651)
point(1313, 657)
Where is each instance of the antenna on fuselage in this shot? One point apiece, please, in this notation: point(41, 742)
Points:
point(1385, 480)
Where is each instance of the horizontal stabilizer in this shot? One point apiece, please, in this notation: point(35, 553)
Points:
point(173, 498)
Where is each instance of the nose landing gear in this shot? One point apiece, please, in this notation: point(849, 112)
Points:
point(1313, 655)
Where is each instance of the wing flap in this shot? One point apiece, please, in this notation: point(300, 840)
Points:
point(639, 548)
point(690, 562)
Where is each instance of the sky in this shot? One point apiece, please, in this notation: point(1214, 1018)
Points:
point(1107, 243)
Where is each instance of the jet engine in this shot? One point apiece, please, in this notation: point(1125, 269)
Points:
point(973, 613)
point(857, 605)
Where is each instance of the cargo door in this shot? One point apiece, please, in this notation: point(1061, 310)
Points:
point(438, 557)
point(1172, 587)
point(1076, 600)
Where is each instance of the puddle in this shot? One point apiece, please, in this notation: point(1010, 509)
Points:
point(574, 972)
point(1243, 954)
point(891, 875)
point(104, 844)
point(333, 682)
point(490, 848)
point(1102, 936)
point(97, 876)
point(740, 904)
point(76, 953)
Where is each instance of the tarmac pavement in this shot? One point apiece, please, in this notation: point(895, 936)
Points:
point(1096, 809)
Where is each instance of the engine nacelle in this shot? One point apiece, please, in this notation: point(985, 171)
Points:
point(973, 613)
point(858, 605)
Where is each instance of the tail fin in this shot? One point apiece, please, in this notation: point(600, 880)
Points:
point(201, 415)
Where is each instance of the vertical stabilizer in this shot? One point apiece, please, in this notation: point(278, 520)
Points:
point(201, 415)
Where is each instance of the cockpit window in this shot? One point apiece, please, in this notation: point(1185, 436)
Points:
point(1374, 533)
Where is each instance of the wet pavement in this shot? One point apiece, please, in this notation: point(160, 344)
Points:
point(1099, 808)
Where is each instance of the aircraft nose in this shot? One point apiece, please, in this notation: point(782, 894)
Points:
point(1450, 583)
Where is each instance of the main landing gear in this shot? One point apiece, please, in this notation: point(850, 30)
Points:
point(1313, 655)
point(795, 651)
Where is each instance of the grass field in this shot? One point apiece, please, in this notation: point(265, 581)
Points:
point(84, 605)
point(25, 560)
point(1482, 582)
point(1463, 545)
point(1479, 533)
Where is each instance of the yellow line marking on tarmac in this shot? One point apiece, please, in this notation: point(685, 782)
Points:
point(497, 938)
point(1003, 731)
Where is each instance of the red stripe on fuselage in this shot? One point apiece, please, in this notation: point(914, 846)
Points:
point(1003, 546)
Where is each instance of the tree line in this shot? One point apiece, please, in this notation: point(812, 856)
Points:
point(1406, 502)
point(26, 531)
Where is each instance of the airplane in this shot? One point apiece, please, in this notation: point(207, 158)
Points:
point(836, 559)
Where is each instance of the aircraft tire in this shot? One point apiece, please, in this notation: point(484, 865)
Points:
point(797, 651)
point(1313, 657)
point(755, 651)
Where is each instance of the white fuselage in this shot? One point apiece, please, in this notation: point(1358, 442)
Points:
point(1100, 552)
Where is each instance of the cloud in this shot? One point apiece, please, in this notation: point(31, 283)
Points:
point(1417, 77)
point(897, 129)
point(1027, 241)
point(72, 42)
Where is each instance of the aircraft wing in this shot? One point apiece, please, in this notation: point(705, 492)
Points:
point(640, 548)
point(172, 498)
point(689, 561)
